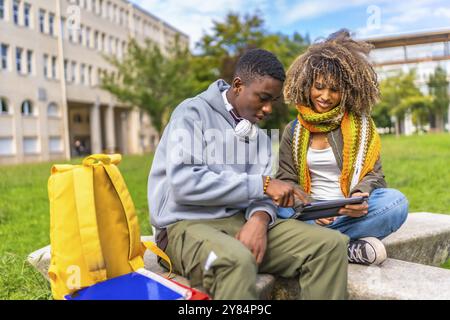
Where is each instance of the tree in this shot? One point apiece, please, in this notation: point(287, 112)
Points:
point(152, 80)
point(221, 50)
point(438, 86)
point(400, 95)
point(158, 82)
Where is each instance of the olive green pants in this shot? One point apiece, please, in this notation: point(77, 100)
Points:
point(206, 252)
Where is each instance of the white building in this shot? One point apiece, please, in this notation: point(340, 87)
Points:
point(51, 58)
point(421, 52)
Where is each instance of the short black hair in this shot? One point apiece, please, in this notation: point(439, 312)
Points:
point(258, 63)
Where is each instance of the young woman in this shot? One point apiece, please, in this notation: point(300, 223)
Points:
point(332, 149)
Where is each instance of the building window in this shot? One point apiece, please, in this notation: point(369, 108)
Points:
point(55, 144)
point(3, 106)
point(89, 79)
point(19, 59)
point(99, 76)
point(83, 74)
point(73, 71)
point(63, 28)
point(2, 9)
point(42, 20)
point(4, 53)
point(88, 37)
point(30, 61)
point(45, 64)
point(104, 42)
point(51, 24)
point(27, 108)
point(66, 74)
point(71, 35)
point(98, 7)
point(80, 35)
point(16, 6)
point(30, 145)
point(6, 146)
point(52, 110)
point(96, 42)
point(110, 44)
point(27, 12)
point(54, 67)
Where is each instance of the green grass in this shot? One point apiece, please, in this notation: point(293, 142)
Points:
point(24, 221)
point(416, 165)
point(419, 166)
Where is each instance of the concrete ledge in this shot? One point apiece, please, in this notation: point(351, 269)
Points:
point(424, 238)
point(398, 280)
point(423, 241)
point(40, 259)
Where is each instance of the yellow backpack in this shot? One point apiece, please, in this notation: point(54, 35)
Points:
point(94, 230)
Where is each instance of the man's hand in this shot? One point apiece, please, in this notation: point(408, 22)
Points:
point(356, 210)
point(254, 234)
point(283, 193)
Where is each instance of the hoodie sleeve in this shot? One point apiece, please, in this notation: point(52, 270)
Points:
point(191, 180)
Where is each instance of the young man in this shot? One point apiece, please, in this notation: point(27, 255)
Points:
point(214, 208)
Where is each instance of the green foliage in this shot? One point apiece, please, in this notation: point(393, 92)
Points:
point(399, 94)
point(25, 221)
point(158, 81)
point(151, 79)
point(438, 86)
point(221, 50)
point(416, 165)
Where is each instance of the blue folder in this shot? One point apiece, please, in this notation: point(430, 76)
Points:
point(133, 286)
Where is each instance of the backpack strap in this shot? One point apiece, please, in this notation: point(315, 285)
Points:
point(83, 177)
point(135, 252)
point(156, 250)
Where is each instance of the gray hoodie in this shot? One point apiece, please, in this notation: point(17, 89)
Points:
point(195, 173)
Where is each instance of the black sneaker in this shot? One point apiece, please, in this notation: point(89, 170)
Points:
point(367, 251)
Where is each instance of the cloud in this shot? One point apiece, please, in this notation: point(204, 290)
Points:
point(315, 9)
point(443, 12)
point(195, 17)
point(417, 16)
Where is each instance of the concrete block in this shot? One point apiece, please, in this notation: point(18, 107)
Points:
point(424, 238)
point(398, 280)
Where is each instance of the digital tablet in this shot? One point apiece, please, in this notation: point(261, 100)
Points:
point(319, 209)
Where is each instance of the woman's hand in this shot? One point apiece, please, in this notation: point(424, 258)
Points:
point(283, 193)
point(356, 210)
point(325, 221)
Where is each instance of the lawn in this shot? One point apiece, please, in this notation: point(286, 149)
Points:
point(417, 165)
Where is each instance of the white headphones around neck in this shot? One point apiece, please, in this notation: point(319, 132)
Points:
point(244, 128)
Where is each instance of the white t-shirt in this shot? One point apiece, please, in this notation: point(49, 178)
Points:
point(325, 174)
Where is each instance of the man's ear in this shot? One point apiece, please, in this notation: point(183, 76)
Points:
point(237, 85)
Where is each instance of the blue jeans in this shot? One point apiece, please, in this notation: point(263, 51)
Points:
point(388, 210)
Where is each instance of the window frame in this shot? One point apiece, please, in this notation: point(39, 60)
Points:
point(4, 107)
point(30, 110)
point(4, 56)
point(19, 56)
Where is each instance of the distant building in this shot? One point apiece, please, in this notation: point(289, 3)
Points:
point(51, 106)
point(422, 52)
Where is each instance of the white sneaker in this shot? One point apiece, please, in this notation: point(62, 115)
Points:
point(367, 251)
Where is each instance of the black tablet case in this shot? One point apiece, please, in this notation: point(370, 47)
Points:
point(325, 209)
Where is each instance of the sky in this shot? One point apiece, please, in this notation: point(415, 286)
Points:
point(364, 18)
